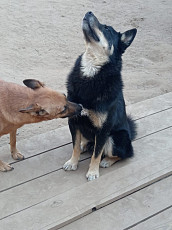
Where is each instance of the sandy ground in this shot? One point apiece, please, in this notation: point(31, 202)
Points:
point(41, 39)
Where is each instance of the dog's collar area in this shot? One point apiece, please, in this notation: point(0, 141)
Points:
point(89, 70)
point(91, 65)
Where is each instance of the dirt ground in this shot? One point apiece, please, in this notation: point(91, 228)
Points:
point(41, 39)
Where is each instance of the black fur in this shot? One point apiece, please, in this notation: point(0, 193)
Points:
point(102, 93)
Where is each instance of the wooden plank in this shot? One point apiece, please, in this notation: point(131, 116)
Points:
point(54, 160)
point(154, 123)
point(53, 213)
point(162, 221)
point(56, 138)
point(150, 106)
point(132, 210)
point(32, 168)
point(41, 189)
point(77, 201)
point(39, 143)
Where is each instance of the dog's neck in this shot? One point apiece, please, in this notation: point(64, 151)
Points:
point(92, 62)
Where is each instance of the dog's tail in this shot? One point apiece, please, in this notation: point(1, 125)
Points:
point(133, 127)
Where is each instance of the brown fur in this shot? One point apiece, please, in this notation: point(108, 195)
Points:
point(21, 105)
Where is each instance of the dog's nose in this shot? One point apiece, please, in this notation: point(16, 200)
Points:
point(87, 15)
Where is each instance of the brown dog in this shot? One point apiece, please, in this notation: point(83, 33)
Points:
point(21, 105)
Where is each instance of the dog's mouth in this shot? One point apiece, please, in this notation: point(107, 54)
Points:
point(89, 24)
point(71, 110)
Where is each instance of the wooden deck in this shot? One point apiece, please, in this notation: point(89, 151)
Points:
point(132, 194)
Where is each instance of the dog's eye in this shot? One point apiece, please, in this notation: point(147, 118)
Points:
point(64, 110)
point(106, 27)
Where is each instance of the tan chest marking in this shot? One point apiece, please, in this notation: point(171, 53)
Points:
point(97, 119)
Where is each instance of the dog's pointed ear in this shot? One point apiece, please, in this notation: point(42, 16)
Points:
point(34, 110)
point(33, 84)
point(127, 38)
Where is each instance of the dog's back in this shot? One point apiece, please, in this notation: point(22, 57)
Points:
point(21, 105)
point(13, 98)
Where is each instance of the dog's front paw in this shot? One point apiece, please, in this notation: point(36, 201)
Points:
point(70, 165)
point(4, 167)
point(17, 156)
point(92, 175)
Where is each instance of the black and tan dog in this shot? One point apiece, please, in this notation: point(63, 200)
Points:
point(21, 105)
point(95, 82)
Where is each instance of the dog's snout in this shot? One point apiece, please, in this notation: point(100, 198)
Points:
point(88, 15)
point(77, 108)
point(74, 109)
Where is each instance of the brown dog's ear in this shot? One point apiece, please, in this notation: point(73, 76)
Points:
point(33, 84)
point(34, 110)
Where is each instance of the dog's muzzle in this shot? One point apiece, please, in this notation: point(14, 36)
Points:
point(89, 23)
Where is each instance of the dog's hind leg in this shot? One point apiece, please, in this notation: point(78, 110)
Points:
point(122, 144)
point(72, 164)
point(4, 167)
point(109, 159)
point(14, 152)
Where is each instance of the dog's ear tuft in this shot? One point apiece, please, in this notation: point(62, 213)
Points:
point(33, 84)
point(34, 110)
point(127, 38)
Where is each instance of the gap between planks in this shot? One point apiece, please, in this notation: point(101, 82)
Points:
point(148, 218)
point(129, 211)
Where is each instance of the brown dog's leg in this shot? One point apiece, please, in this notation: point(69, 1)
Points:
point(4, 167)
point(73, 162)
point(14, 152)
